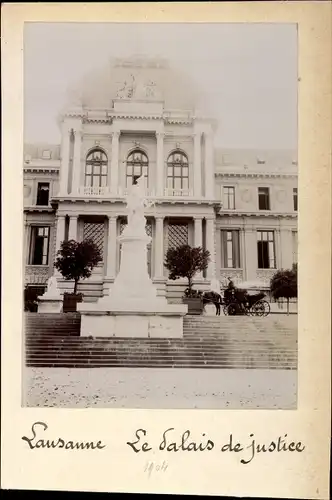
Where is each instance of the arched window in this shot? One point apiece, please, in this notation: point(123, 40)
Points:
point(137, 165)
point(96, 168)
point(177, 171)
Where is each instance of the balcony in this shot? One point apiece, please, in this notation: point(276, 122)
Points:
point(177, 192)
point(107, 192)
point(95, 191)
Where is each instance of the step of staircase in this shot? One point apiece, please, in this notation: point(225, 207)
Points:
point(53, 340)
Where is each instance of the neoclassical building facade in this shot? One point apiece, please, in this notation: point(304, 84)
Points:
point(138, 119)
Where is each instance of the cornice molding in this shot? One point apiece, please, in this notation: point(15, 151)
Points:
point(244, 213)
point(48, 170)
point(257, 175)
point(100, 121)
point(162, 201)
point(39, 209)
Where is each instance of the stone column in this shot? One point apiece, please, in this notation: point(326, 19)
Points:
point(286, 248)
point(160, 164)
point(115, 162)
point(210, 245)
point(197, 165)
point(159, 248)
point(77, 162)
point(72, 233)
point(27, 232)
point(198, 237)
point(242, 253)
point(278, 249)
point(209, 167)
point(111, 247)
point(60, 232)
point(251, 259)
point(64, 167)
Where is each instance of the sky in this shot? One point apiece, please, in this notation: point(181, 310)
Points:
point(246, 72)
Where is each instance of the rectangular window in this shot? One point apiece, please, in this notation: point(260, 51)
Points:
point(229, 198)
point(43, 193)
point(263, 198)
point(266, 250)
point(230, 249)
point(40, 237)
point(295, 199)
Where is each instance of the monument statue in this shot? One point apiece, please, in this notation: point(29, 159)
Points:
point(51, 301)
point(133, 307)
point(136, 203)
point(52, 287)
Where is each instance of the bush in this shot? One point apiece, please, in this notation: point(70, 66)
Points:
point(193, 294)
point(76, 260)
point(185, 262)
point(284, 285)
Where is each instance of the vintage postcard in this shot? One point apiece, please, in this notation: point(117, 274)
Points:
point(167, 248)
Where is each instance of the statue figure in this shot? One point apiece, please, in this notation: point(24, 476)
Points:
point(150, 89)
point(127, 90)
point(52, 287)
point(136, 203)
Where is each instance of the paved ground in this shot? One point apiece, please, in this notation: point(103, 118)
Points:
point(159, 388)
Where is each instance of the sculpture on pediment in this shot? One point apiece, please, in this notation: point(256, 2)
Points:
point(127, 90)
point(138, 89)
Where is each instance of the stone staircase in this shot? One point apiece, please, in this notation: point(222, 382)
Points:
point(52, 340)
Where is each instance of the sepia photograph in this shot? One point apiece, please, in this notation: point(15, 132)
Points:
point(160, 185)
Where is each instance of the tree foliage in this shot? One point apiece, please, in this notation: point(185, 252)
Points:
point(284, 284)
point(185, 261)
point(75, 260)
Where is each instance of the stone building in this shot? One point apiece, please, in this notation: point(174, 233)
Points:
point(139, 117)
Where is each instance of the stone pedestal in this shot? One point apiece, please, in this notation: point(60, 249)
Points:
point(50, 304)
point(51, 301)
point(165, 321)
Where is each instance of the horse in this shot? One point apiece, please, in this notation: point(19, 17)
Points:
point(212, 298)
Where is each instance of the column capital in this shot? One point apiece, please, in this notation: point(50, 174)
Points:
point(115, 134)
point(112, 218)
point(60, 216)
point(198, 217)
point(160, 135)
point(159, 217)
point(73, 216)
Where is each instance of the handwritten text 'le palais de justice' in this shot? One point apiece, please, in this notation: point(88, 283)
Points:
point(171, 441)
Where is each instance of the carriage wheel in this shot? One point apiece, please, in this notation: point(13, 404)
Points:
point(225, 309)
point(258, 309)
point(232, 309)
point(266, 307)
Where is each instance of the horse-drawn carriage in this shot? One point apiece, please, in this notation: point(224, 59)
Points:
point(239, 302)
point(236, 301)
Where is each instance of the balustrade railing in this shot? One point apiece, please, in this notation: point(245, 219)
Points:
point(178, 192)
point(94, 191)
point(122, 192)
